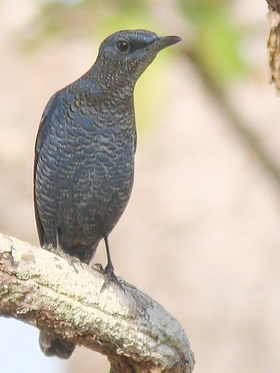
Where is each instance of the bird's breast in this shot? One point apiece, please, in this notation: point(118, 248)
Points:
point(95, 172)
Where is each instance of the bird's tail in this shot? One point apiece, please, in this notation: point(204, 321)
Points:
point(52, 346)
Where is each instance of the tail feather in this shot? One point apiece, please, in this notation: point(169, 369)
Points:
point(52, 346)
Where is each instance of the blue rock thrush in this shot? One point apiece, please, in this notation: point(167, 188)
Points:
point(84, 154)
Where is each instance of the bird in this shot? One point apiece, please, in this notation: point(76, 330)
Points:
point(84, 155)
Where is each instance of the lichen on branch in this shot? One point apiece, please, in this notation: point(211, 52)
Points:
point(67, 298)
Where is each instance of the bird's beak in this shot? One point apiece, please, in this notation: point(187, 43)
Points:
point(164, 42)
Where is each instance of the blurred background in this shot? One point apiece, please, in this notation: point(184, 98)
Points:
point(201, 234)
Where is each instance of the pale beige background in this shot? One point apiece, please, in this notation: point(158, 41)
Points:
point(201, 234)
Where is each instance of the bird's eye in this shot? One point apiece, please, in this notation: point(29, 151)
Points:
point(123, 46)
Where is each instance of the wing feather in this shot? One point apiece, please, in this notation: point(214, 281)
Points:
point(42, 132)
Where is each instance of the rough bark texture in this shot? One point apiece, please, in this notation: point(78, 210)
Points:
point(68, 298)
point(273, 43)
point(275, 5)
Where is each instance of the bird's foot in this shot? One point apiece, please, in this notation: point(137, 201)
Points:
point(110, 277)
point(55, 250)
point(72, 260)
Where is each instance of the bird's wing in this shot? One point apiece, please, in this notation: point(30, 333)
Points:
point(42, 132)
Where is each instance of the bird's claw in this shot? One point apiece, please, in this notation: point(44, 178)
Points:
point(110, 277)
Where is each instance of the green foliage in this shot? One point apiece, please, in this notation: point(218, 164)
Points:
point(217, 41)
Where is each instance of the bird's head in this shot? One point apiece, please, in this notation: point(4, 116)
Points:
point(124, 55)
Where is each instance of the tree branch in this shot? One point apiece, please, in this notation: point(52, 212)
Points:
point(273, 43)
point(63, 295)
point(274, 5)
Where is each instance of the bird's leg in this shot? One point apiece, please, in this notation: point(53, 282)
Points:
point(109, 269)
point(72, 260)
point(58, 249)
point(54, 248)
point(58, 239)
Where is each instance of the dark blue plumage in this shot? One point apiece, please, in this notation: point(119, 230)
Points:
point(84, 156)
